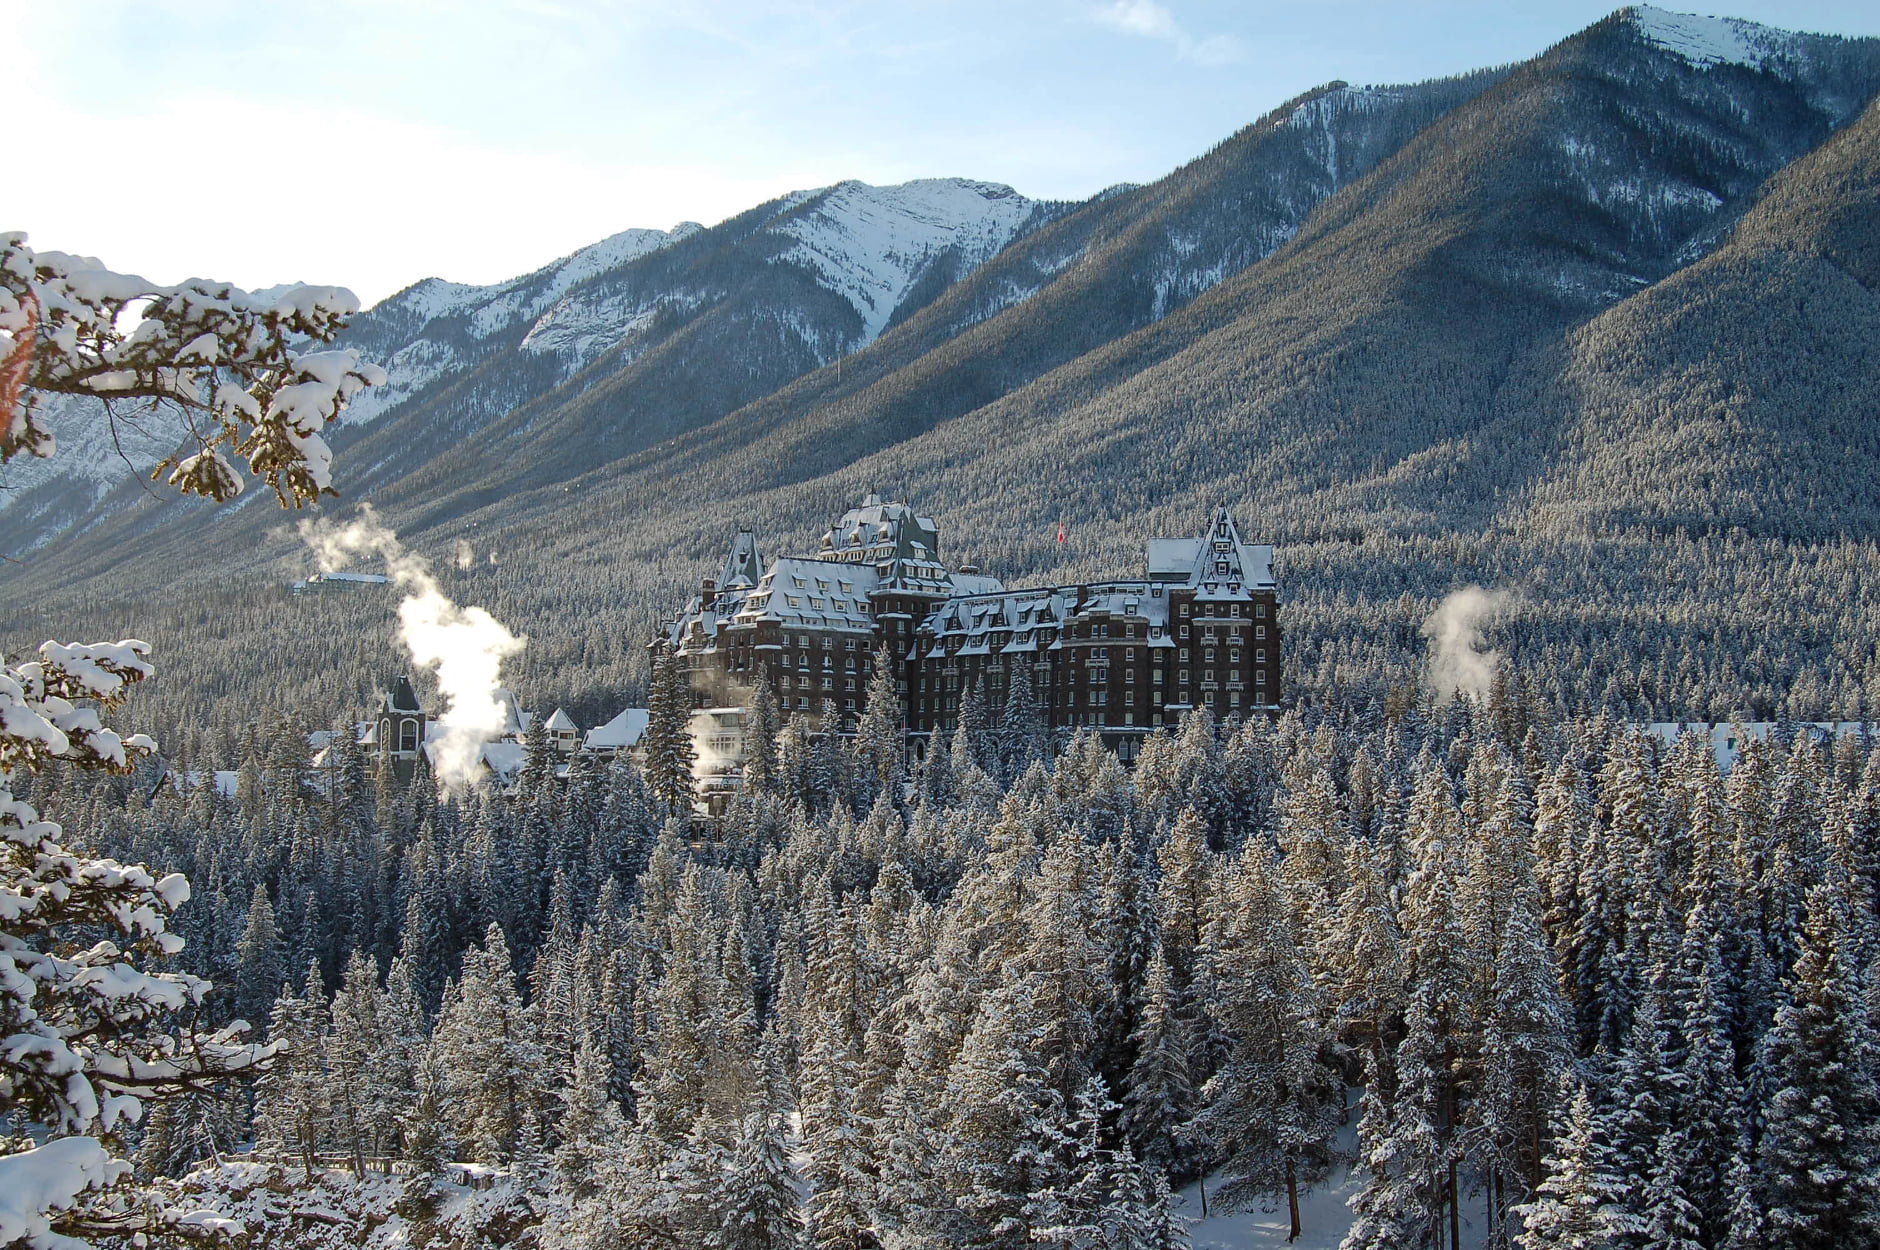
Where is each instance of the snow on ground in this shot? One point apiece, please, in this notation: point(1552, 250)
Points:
point(1324, 1219)
point(869, 244)
point(1709, 40)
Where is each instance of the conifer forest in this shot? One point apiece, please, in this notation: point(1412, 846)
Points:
point(1534, 979)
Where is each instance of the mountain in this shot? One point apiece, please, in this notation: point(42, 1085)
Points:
point(1618, 294)
point(649, 316)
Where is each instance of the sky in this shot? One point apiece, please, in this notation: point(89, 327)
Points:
point(371, 143)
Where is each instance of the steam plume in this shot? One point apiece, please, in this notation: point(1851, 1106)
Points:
point(1457, 662)
point(466, 554)
point(467, 646)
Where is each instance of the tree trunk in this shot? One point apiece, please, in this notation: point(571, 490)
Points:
point(1292, 1200)
point(1455, 1211)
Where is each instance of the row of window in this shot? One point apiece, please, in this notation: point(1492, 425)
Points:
point(1099, 699)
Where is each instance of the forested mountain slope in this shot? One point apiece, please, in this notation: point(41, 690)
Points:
point(1739, 392)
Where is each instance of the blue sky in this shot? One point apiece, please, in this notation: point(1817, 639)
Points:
point(374, 143)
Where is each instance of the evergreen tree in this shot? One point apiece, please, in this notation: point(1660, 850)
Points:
point(666, 746)
point(1819, 1157)
point(1021, 736)
point(489, 1055)
point(259, 962)
point(879, 745)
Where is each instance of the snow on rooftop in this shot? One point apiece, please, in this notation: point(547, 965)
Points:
point(1708, 40)
point(622, 732)
point(560, 722)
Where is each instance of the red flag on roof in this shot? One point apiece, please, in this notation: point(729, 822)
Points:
point(1060, 536)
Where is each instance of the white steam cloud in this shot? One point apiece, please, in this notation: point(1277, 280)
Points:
point(1457, 662)
point(467, 646)
point(466, 554)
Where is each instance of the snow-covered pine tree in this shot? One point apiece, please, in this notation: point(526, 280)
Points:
point(1271, 1111)
point(1581, 1202)
point(292, 1101)
point(1159, 1098)
point(1819, 1156)
point(878, 746)
point(490, 1058)
point(259, 964)
point(666, 746)
point(356, 1050)
point(1021, 736)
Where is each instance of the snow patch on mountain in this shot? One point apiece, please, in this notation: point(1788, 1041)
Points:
point(431, 352)
point(528, 297)
point(1710, 40)
point(870, 244)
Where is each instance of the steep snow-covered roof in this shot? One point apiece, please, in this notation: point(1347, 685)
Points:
point(1198, 560)
point(559, 722)
point(620, 733)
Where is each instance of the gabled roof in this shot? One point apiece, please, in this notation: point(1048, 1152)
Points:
point(559, 722)
point(1195, 560)
point(620, 733)
point(744, 565)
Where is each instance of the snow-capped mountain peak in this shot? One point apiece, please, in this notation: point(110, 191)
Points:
point(1709, 40)
point(870, 244)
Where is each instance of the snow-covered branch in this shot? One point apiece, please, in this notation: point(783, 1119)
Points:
point(70, 326)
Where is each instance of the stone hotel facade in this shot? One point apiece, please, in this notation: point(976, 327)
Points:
point(1121, 657)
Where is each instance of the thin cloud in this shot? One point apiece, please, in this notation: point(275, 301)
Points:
point(1148, 19)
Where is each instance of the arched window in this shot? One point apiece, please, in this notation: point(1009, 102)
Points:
point(407, 735)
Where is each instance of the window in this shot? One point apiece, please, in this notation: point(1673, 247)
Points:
point(1129, 718)
point(1259, 655)
point(794, 601)
point(827, 643)
point(1129, 698)
point(1129, 676)
point(1233, 699)
point(1156, 677)
point(1233, 656)
point(802, 640)
point(1183, 677)
point(1259, 610)
point(1129, 655)
point(407, 735)
point(1184, 609)
point(1236, 610)
point(1184, 631)
point(1259, 679)
point(816, 603)
point(848, 644)
point(1220, 567)
point(1259, 631)
point(1207, 653)
point(802, 703)
point(1099, 653)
